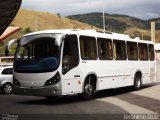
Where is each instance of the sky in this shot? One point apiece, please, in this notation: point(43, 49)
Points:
point(143, 9)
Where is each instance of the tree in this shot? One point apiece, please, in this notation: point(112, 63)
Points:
point(59, 15)
point(27, 30)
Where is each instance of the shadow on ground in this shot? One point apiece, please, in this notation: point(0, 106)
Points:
point(77, 99)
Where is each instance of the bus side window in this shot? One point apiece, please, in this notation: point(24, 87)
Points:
point(119, 50)
point(151, 52)
point(143, 51)
point(132, 51)
point(70, 53)
point(88, 48)
point(105, 50)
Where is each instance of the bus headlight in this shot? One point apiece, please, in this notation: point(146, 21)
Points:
point(53, 80)
point(15, 81)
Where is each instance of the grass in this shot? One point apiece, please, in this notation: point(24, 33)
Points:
point(27, 18)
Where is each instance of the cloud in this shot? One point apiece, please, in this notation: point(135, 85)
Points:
point(144, 9)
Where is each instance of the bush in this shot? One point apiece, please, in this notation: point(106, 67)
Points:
point(27, 30)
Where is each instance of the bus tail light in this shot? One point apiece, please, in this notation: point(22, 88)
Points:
point(53, 80)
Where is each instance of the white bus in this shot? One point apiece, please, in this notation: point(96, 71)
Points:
point(66, 62)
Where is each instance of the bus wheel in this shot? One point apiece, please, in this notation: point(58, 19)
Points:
point(137, 82)
point(7, 88)
point(89, 88)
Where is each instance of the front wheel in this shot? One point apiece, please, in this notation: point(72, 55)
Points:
point(7, 88)
point(88, 90)
point(137, 82)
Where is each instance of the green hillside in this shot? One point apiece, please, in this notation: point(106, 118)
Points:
point(114, 22)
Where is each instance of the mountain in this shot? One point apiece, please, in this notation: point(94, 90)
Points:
point(113, 22)
point(155, 19)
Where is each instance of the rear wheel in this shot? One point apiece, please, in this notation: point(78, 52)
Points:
point(7, 88)
point(137, 82)
point(89, 89)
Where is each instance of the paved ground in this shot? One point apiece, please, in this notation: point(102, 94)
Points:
point(109, 103)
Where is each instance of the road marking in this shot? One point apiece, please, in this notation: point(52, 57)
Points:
point(151, 92)
point(141, 101)
point(132, 109)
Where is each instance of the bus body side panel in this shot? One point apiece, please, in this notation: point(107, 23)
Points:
point(122, 73)
point(71, 81)
point(145, 66)
point(114, 74)
point(110, 74)
point(106, 72)
point(152, 71)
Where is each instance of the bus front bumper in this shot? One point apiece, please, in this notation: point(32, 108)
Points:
point(53, 90)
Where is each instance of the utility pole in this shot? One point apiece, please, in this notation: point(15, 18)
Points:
point(153, 35)
point(104, 26)
point(36, 24)
point(142, 36)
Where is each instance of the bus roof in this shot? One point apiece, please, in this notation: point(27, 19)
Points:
point(94, 33)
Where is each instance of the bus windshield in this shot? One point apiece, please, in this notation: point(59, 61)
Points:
point(38, 53)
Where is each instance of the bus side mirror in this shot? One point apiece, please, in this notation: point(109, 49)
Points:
point(8, 45)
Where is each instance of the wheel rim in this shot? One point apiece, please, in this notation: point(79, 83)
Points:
point(88, 89)
point(138, 82)
point(7, 88)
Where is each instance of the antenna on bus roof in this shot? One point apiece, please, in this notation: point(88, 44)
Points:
point(104, 27)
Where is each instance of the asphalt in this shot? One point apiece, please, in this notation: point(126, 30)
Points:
point(108, 104)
